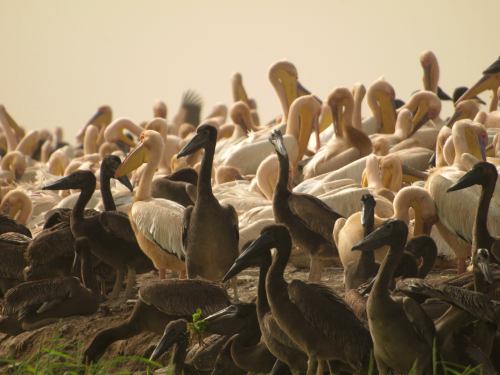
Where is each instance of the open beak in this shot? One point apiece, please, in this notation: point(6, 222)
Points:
point(247, 257)
point(134, 160)
point(64, 183)
point(487, 82)
point(467, 180)
point(193, 145)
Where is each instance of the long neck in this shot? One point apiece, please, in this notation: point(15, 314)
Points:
point(282, 184)
point(205, 177)
point(83, 199)
point(178, 357)
point(107, 197)
point(367, 258)
point(144, 189)
point(262, 302)
point(274, 281)
point(481, 235)
point(387, 269)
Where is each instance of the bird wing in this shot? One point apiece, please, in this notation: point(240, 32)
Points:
point(421, 322)
point(183, 297)
point(233, 217)
point(118, 224)
point(37, 293)
point(315, 214)
point(318, 304)
point(185, 226)
point(160, 221)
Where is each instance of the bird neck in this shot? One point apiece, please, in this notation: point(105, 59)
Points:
point(85, 194)
point(367, 258)
point(178, 357)
point(262, 303)
point(107, 197)
point(248, 352)
point(387, 269)
point(482, 236)
point(282, 184)
point(144, 189)
point(274, 279)
point(205, 177)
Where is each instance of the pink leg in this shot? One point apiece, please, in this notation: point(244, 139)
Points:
point(161, 272)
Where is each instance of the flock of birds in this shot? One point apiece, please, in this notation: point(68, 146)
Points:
point(389, 197)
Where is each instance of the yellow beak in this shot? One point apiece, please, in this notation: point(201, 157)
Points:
point(122, 137)
point(134, 160)
point(487, 82)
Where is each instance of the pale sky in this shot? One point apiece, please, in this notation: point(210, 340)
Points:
point(61, 59)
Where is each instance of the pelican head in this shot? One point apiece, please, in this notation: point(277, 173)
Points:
point(149, 140)
point(481, 259)
point(176, 332)
point(79, 179)
point(160, 109)
point(425, 106)
point(115, 131)
point(430, 65)
point(230, 319)
point(206, 134)
point(480, 174)
point(391, 230)
point(466, 109)
point(269, 238)
point(276, 139)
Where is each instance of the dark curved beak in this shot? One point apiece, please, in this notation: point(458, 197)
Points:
point(467, 180)
point(453, 118)
point(226, 313)
point(432, 160)
point(247, 257)
point(371, 242)
point(197, 142)
point(125, 181)
point(442, 95)
point(61, 184)
point(167, 340)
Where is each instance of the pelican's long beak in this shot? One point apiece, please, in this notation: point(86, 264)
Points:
point(126, 182)
point(134, 160)
point(167, 340)
point(471, 178)
point(197, 142)
point(13, 124)
point(454, 118)
point(373, 241)
point(308, 121)
point(248, 257)
point(420, 118)
point(487, 82)
point(387, 114)
point(64, 183)
point(290, 86)
point(129, 142)
point(227, 313)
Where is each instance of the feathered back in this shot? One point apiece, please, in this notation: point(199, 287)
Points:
point(183, 297)
point(37, 292)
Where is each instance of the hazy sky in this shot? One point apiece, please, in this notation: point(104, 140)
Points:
point(61, 59)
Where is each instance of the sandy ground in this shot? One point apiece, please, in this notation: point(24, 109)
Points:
point(76, 332)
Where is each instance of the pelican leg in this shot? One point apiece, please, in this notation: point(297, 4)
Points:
point(118, 284)
point(321, 367)
point(312, 364)
point(315, 269)
point(129, 291)
point(161, 273)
